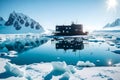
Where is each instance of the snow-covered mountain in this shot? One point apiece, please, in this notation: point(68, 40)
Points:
point(114, 24)
point(19, 23)
point(2, 21)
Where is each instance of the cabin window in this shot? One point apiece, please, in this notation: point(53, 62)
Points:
point(57, 28)
point(67, 31)
point(76, 30)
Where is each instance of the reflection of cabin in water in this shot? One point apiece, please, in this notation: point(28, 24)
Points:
point(73, 29)
point(73, 45)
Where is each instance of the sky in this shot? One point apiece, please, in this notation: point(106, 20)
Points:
point(93, 14)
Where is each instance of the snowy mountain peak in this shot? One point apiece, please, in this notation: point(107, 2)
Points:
point(116, 23)
point(2, 21)
point(107, 25)
point(22, 24)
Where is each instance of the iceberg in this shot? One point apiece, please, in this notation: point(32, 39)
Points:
point(85, 64)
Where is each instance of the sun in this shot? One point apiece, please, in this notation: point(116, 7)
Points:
point(111, 4)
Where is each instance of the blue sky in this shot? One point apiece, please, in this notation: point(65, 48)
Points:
point(93, 14)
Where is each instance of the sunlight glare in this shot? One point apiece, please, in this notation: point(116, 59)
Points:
point(111, 4)
point(109, 62)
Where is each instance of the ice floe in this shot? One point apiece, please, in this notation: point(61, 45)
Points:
point(2, 64)
point(96, 40)
point(47, 71)
point(85, 64)
point(117, 65)
point(9, 54)
point(16, 70)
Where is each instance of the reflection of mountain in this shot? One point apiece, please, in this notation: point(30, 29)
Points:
point(23, 45)
point(73, 44)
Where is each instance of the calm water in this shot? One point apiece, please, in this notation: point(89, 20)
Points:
point(71, 52)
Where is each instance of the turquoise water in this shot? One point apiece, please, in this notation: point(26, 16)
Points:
point(100, 53)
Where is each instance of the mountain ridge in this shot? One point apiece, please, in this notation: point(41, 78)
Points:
point(115, 23)
point(19, 23)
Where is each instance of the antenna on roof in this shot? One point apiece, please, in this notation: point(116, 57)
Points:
point(72, 22)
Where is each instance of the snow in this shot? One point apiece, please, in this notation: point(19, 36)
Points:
point(2, 64)
point(38, 71)
point(15, 78)
point(14, 69)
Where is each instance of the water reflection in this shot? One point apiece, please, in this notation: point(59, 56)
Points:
point(22, 44)
point(70, 43)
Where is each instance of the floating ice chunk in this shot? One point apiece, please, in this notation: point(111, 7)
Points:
point(55, 77)
point(9, 54)
point(12, 52)
point(107, 36)
point(111, 43)
point(59, 66)
point(2, 64)
point(85, 64)
point(117, 65)
point(71, 68)
point(2, 38)
point(65, 76)
point(63, 67)
point(96, 40)
point(16, 70)
point(98, 61)
point(58, 57)
point(3, 54)
point(12, 55)
point(118, 46)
